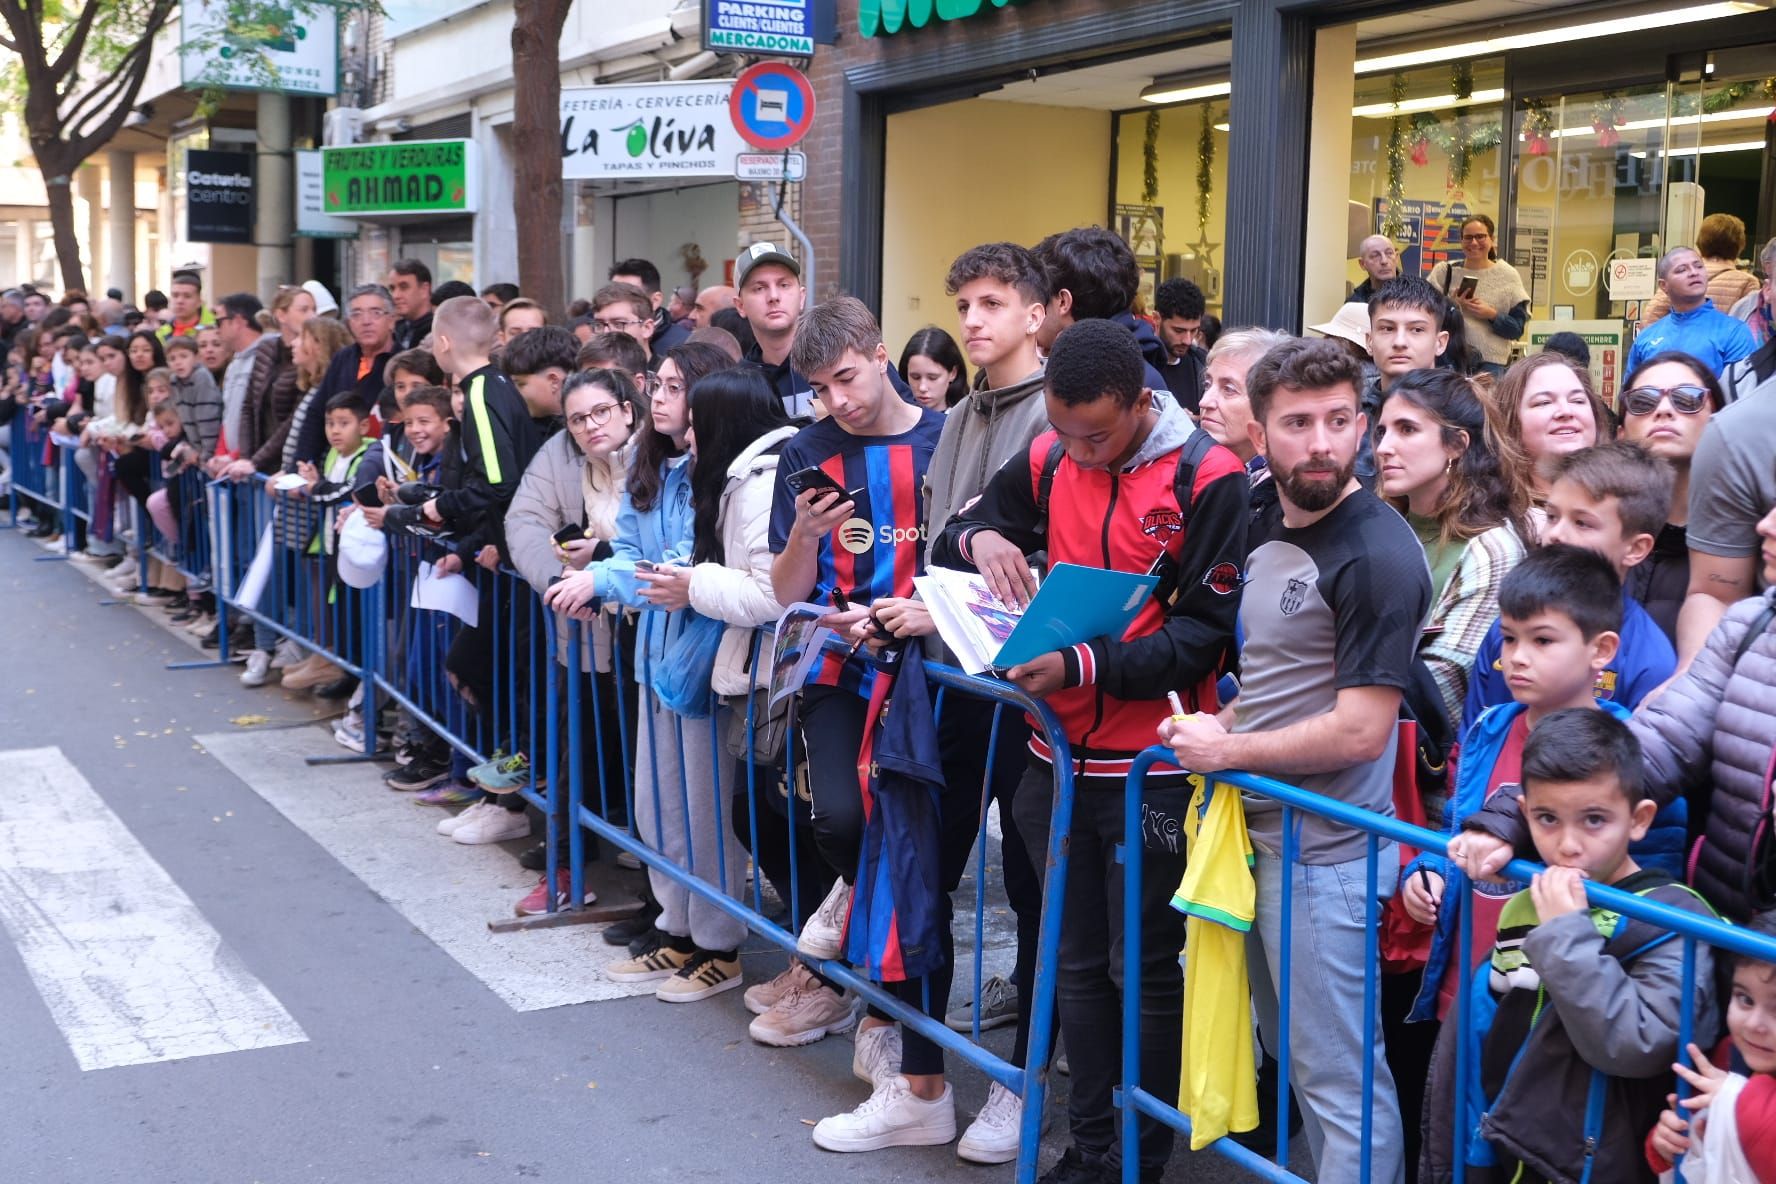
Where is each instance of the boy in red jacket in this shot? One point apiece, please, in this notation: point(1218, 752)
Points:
point(1132, 485)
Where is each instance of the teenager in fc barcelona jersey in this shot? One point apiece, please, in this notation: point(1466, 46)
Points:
point(867, 542)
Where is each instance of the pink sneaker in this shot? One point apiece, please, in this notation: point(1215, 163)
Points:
point(538, 900)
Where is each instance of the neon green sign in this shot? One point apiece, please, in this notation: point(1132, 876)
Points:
point(881, 18)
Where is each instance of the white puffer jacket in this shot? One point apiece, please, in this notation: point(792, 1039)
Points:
point(739, 591)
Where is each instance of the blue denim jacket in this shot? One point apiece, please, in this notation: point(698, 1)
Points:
point(661, 534)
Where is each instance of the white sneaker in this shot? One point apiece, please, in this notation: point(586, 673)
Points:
point(875, 1055)
point(892, 1116)
point(287, 654)
point(823, 937)
point(258, 669)
point(495, 824)
point(993, 1135)
point(447, 826)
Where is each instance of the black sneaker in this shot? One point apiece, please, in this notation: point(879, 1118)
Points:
point(532, 859)
point(416, 775)
point(636, 928)
point(1074, 1168)
point(339, 688)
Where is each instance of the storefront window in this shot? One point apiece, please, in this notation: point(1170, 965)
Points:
point(1426, 152)
point(1171, 194)
point(1592, 189)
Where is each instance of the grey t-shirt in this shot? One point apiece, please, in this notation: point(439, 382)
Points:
point(1341, 603)
point(1733, 479)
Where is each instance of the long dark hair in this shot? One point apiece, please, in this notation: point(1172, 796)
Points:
point(1456, 355)
point(132, 386)
point(729, 410)
point(932, 342)
point(1485, 488)
point(695, 361)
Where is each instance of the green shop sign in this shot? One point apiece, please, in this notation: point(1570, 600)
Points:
point(412, 177)
point(879, 18)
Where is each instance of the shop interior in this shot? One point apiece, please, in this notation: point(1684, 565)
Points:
point(1575, 177)
point(689, 231)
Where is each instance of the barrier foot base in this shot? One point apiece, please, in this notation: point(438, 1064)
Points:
point(205, 664)
point(586, 915)
point(50, 559)
point(350, 758)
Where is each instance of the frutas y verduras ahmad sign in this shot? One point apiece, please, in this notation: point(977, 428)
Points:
point(879, 18)
point(660, 129)
point(410, 177)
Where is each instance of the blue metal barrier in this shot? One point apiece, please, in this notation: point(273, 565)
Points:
point(1132, 1099)
point(539, 663)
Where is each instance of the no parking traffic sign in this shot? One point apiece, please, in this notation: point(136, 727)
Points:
point(772, 106)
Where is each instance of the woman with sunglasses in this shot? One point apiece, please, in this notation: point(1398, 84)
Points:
point(1665, 405)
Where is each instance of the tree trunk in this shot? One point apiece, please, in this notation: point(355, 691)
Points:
point(58, 183)
point(536, 150)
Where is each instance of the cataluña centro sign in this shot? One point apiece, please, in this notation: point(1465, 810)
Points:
point(662, 129)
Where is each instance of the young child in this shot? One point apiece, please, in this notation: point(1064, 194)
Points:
point(200, 402)
point(157, 385)
point(1612, 499)
point(1733, 1108)
point(1560, 618)
point(1578, 1009)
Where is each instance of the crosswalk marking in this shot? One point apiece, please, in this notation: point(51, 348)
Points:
point(128, 966)
point(445, 889)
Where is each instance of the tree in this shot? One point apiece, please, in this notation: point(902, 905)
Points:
point(81, 66)
point(536, 148)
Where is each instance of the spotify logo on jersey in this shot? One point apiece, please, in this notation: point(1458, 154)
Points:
point(857, 535)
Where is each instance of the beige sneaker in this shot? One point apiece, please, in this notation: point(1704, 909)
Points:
point(823, 934)
point(659, 960)
point(762, 997)
point(316, 672)
point(705, 974)
point(804, 1015)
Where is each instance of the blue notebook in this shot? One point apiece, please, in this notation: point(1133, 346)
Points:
point(1073, 604)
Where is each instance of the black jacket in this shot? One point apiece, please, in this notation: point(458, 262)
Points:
point(1662, 580)
point(499, 438)
point(342, 375)
point(408, 334)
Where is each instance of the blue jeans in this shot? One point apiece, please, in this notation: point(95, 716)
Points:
point(1327, 943)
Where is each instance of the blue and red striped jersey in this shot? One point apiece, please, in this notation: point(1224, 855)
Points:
point(878, 551)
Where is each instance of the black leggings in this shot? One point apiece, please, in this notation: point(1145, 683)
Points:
point(832, 735)
point(607, 750)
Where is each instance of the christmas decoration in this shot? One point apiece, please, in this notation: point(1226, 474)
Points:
point(1420, 154)
point(1608, 114)
point(1150, 160)
point(1538, 126)
point(1205, 166)
point(1393, 224)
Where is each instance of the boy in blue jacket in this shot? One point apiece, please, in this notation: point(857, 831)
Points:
point(1560, 621)
point(1606, 499)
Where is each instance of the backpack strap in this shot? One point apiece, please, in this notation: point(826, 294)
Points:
point(1189, 457)
point(1045, 483)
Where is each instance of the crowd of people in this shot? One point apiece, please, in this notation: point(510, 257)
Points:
point(1395, 520)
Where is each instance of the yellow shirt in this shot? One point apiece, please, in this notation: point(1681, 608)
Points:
point(1218, 1088)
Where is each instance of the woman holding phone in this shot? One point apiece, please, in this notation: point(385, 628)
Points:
point(1489, 292)
point(693, 947)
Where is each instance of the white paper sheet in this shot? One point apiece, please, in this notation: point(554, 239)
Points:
point(252, 585)
point(453, 594)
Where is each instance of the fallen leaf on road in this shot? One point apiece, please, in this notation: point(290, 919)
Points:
point(250, 721)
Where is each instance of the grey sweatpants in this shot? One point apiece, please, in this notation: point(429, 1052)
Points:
point(679, 811)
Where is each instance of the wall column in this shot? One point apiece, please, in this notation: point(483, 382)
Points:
point(1328, 173)
point(88, 189)
point(120, 242)
point(1267, 164)
point(274, 188)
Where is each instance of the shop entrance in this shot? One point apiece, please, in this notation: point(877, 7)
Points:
point(1600, 177)
point(1032, 156)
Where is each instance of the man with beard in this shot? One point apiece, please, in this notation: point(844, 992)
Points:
point(1332, 611)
